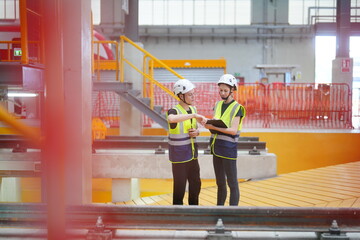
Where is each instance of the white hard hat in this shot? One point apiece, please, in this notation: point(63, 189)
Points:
point(183, 86)
point(229, 80)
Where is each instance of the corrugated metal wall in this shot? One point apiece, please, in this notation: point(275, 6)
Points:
point(193, 74)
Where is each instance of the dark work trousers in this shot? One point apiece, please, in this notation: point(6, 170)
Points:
point(225, 170)
point(183, 172)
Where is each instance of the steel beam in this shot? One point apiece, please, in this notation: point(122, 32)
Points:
point(145, 108)
point(132, 142)
point(289, 219)
point(343, 28)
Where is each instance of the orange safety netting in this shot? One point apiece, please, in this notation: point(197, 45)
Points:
point(106, 106)
point(277, 105)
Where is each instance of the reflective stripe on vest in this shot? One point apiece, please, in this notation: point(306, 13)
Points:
point(182, 148)
point(226, 137)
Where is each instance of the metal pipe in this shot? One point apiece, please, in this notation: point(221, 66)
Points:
point(30, 133)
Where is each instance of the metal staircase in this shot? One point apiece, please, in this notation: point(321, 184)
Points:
point(113, 80)
point(126, 91)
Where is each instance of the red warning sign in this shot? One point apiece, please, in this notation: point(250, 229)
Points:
point(345, 65)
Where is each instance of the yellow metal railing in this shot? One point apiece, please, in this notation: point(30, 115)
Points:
point(148, 80)
point(105, 64)
point(8, 48)
point(11, 57)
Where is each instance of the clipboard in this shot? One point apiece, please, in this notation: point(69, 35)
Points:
point(217, 123)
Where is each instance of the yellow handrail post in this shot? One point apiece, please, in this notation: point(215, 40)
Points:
point(117, 60)
point(24, 32)
point(9, 52)
point(97, 61)
point(144, 78)
point(122, 47)
point(151, 73)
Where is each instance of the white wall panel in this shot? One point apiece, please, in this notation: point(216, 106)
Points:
point(241, 56)
point(194, 75)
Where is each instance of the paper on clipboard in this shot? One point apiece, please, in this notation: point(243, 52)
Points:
point(217, 123)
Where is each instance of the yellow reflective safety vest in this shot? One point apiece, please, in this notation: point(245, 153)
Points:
point(225, 145)
point(182, 148)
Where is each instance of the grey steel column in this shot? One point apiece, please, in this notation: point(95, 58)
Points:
point(342, 28)
point(78, 90)
point(132, 21)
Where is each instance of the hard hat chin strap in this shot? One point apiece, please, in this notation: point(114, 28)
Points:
point(226, 98)
point(183, 99)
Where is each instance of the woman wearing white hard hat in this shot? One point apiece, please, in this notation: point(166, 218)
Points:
point(223, 141)
point(183, 150)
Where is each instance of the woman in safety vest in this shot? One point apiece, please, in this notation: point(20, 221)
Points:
point(223, 141)
point(183, 151)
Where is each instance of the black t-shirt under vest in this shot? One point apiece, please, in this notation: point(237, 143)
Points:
point(173, 111)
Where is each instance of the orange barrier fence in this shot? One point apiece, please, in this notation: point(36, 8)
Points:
point(277, 105)
point(106, 106)
point(309, 106)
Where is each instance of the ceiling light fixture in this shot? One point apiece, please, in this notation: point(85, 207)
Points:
point(21, 94)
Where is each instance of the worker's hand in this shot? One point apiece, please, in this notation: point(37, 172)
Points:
point(209, 126)
point(201, 119)
point(193, 132)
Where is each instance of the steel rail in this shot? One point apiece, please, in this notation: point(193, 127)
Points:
point(155, 142)
point(165, 138)
point(186, 217)
point(131, 142)
point(151, 144)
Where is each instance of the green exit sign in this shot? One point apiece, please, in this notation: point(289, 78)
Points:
point(17, 52)
point(236, 74)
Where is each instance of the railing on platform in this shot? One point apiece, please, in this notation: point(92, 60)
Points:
point(106, 103)
point(101, 60)
point(12, 51)
point(148, 79)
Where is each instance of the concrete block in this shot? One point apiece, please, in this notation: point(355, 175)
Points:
point(132, 164)
point(10, 189)
point(125, 189)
